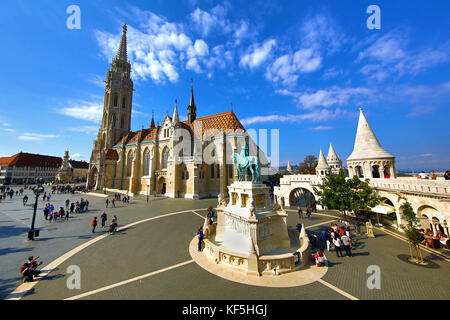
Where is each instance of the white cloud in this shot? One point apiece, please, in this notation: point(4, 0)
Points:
point(315, 116)
point(388, 56)
point(37, 136)
point(205, 21)
point(77, 156)
point(335, 96)
point(85, 129)
point(287, 68)
point(321, 128)
point(84, 110)
point(257, 54)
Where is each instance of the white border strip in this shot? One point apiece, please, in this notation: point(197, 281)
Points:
point(128, 281)
point(22, 289)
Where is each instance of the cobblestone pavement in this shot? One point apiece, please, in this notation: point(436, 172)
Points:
point(153, 246)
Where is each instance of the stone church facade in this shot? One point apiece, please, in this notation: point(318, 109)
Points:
point(179, 159)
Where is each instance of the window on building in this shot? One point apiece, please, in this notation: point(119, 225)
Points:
point(115, 101)
point(218, 171)
point(124, 102)
point(165, 157)
point(212, 171)
point(122, 122)
point(146, 162)
point(230, 171)
point(129, 163)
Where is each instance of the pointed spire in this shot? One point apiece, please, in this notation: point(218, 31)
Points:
point(332, 156)
point(175, 118)
point(288, 168)
point(366, 143)
point(152, 124)
point(122, 53)
point(192, 109)
point(322, 164)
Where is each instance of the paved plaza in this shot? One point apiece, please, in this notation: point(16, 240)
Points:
point(150, 258)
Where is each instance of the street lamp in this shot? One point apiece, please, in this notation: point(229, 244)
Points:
point(37, 192)
point(148, 188)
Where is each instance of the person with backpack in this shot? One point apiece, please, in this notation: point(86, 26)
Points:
point(94, 224)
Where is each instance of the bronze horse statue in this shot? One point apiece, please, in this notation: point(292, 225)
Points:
point(244, 163)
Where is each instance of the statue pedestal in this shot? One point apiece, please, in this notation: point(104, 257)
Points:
point(252, 235)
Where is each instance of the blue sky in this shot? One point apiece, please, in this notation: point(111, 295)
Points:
point(303, 67)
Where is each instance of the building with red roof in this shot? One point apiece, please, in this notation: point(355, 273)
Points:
point(23, 168)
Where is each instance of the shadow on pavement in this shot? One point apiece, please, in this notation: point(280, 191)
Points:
point(11, 231)
point(13, 250)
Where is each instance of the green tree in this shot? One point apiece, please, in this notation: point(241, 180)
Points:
point(308, 166)
point(411, 229)
point(337, 192)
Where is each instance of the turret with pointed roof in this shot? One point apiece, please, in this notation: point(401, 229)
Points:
point(288, 167)
point(322, 168)
point(368, 158)
point(333, 160)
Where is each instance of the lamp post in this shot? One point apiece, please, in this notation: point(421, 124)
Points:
point(148, 188)
point(37, 192)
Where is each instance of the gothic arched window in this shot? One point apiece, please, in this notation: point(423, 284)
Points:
point(115, 101)
point(124, 102)
point(165, 157)
point(129, 162)
point(146, 165)
point(113, 121)
point(122, 122)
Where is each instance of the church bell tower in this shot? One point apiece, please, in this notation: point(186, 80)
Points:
point(116, 119)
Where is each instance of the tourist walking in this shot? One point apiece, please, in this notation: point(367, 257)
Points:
point(300, 213)
point(46, 211)
point(25, 199)
point(357, 228)
point(346, 244)
point(104, 218)
point(94, 224)
point(200, 238)
point(113, 202)
point(87, 205)
point(107, 202)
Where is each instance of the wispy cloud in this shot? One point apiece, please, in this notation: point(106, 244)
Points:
point(257, 54)
point(85, 129)
point(322, 128)
point(389, 56)
point(84, 110)
point(37, 136)
point(315, 116)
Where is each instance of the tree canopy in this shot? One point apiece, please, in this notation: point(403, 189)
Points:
point(337, 192)
point(308, 166)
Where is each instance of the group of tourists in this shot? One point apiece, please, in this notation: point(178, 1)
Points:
point(117, 197)
point(340, 238)
point(51, 214)
point(309, 210)
point(104, 217)
point(68, 188)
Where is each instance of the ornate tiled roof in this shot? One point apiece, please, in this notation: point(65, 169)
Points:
point(22, 159)
point(217, 123)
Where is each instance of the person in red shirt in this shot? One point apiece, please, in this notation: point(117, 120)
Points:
point(94, 224)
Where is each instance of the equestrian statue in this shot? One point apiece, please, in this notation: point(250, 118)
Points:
point(245, 163)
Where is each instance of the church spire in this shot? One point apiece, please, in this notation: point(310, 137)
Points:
point(192, 109)
point(122, 53)
point(152, 124)
point(175, 118)
point(322, 164)
point(332, 156)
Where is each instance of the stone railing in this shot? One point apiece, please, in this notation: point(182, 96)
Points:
point(436, 187)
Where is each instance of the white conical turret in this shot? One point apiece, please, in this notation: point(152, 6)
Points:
point(366, 143)
point(322, 164)
point(288, 167)
point(323, 167)
point(333, 160)
point(369, 159)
